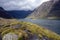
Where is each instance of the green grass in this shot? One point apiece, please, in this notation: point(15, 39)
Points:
point(33, 28)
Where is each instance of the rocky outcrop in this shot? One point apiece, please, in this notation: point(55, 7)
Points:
point(10, 36)
point(47, 9)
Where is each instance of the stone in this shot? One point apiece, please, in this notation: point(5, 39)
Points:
point(10, 36)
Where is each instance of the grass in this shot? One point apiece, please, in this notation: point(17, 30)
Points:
point(30, 27)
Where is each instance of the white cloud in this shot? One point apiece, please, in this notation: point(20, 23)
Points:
point(21, 4)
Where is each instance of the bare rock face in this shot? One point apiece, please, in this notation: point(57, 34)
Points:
point(47, 9)
point(10, 36)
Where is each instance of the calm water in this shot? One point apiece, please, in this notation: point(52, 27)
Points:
point(53, 25)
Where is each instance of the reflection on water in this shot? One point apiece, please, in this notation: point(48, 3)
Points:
point(53, 25)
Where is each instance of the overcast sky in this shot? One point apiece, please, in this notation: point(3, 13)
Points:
point(20, 4)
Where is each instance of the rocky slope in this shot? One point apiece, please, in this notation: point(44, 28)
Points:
point(49, 9)
point(4, 14)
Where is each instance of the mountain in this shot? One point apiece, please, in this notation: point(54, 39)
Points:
point(55, 11)
point(19, 14)
point(4, 14)
point(49, 10)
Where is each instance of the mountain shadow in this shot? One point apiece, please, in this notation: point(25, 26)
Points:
point(4, 14)
point(19, 14)
point(55, 11)
point(14, 14)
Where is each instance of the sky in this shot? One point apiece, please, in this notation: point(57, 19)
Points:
point(21, 4)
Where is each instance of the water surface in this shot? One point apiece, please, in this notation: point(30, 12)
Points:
point(53, 25)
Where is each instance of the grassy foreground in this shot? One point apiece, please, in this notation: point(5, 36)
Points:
point(20, 28)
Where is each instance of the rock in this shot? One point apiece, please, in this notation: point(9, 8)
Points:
point(10, 36)
point(16, 26)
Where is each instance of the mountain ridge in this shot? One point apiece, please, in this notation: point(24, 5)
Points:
point(46, 10)
point(4, 14)
point(15, 14)
point(19, 14)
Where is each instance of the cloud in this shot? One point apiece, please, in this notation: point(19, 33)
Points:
point(20, 4)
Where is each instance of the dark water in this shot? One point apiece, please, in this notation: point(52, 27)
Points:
point(53, 25)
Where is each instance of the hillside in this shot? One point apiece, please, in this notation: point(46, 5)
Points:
point(19, 14)
point(24, 29)
point(4, 14)
point(47, 10)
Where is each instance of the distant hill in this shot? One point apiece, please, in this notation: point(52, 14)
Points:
point(4, 14)
point(47, 10)
point(19, 14)
point(16, 14)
